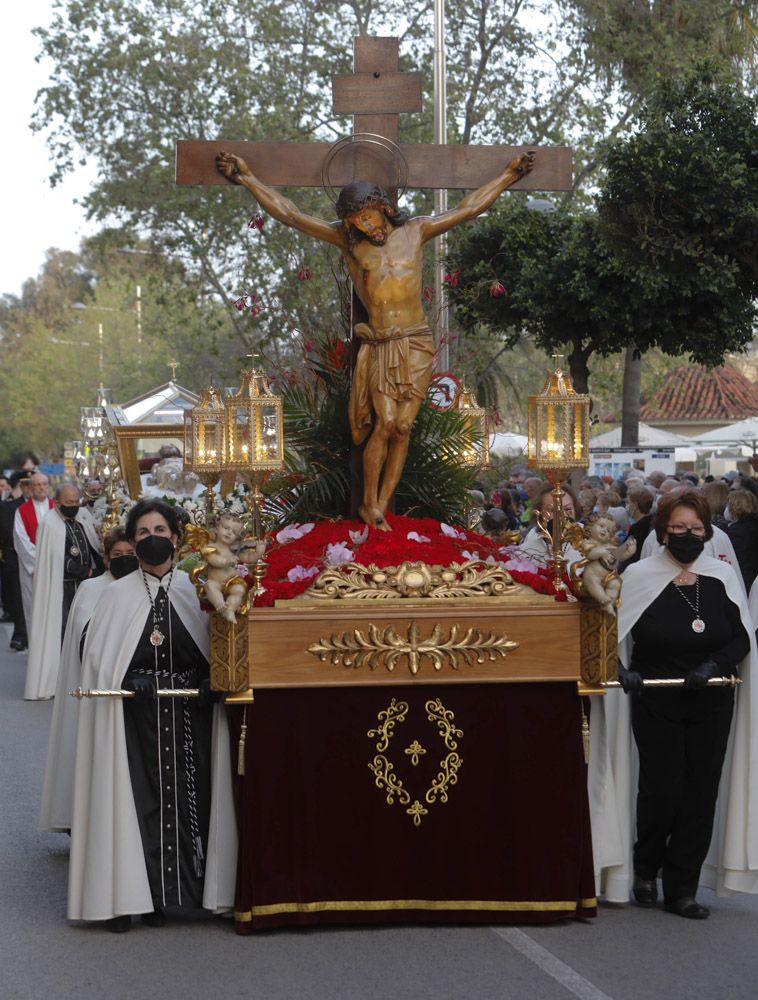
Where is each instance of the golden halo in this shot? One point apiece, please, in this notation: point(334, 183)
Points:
point(368, 139)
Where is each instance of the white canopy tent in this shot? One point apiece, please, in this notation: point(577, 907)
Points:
point(649, 437)
point(508, 443)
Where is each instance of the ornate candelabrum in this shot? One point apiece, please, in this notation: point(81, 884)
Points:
point(478, 452)
point(254, 420)
point(205, 442)
point(108, 473)
point(559, 428)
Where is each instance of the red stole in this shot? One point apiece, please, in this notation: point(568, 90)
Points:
point(29, 517)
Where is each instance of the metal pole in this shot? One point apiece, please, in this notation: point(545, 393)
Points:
point(100, 352)
point(139, 329)
point(80, 693)
point(677, 682)
point(440, 195)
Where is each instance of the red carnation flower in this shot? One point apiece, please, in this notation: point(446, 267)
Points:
point(451, 278)
point(497, 288)
point(305, 273)
point(256, 222)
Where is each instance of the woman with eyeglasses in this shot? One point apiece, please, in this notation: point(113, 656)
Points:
point(684, 615)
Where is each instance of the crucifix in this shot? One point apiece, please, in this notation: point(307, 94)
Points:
point(173, 365)
point(382, 248)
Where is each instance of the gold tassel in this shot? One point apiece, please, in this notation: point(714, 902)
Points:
point(241, 746)
point(585, 733)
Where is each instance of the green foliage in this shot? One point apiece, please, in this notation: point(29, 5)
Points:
point(561, 286)
point(680, 208)
point(317, 481)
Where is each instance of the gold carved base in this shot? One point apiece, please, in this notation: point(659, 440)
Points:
point(599, 646)
point(229, 651)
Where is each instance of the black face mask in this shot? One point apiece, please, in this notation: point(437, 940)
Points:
point(154, 549)
point(123, 566)
point(68, 510)
point(685, 548)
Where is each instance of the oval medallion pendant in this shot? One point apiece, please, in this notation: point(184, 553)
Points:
point(698, 625)
point(157, 637)
point(74, 551)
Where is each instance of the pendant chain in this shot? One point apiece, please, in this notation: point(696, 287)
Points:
point(157, 637)
point(698, 625)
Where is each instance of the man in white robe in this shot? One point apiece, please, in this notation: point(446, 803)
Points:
point(58, 787)
point(111, 877)
point(66, 554)
point(26, 522)
point(732, 861)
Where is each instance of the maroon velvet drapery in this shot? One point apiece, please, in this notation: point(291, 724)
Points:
point(319, 842)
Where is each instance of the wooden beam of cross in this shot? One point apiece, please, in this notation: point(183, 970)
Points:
point(375, 93)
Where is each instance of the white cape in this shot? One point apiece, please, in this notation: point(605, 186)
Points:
point(58, 787)
point(732, 861)
point(107, 874)
point(47, 604)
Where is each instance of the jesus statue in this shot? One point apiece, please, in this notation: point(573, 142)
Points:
point(383, 249)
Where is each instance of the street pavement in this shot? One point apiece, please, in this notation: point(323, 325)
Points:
point(625, 954)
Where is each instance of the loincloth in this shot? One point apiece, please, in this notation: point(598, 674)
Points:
point(395, 362)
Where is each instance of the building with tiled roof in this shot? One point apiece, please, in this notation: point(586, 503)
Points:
point(694, 399)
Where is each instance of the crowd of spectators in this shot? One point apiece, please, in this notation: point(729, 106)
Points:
point(630, 501)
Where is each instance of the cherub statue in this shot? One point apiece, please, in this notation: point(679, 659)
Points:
point(596, 573)
point(223, 587)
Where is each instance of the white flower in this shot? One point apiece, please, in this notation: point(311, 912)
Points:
point(452, 532)
point(293, 531)
point(358, 537)
point(301, 573)
point(470, 555)
point(337, 554)
point(413, 536)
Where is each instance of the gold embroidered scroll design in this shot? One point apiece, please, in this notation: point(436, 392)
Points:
point(384, 647)
point(383, 769)
point(353, 581)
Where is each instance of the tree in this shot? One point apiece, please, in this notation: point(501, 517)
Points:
point(76, 325)
point(680, 207)
point(130, 79)
point(544, 275)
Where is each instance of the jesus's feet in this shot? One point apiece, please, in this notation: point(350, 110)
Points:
point(373, 517)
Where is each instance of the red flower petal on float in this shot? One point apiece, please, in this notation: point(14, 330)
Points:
point(428, 292)
point(497, 288)
point(451, 278)
point(256, 222)
point(309, 345)
point(305, 273)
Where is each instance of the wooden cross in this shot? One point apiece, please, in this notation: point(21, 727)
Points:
point(375, 93)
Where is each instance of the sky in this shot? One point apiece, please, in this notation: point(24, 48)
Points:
point(35, 216)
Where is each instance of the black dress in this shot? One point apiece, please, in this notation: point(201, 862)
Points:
point(681, 735)
point(168, 743)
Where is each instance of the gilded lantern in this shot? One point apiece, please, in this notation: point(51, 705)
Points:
point(559, 425)
point(477, 452)
point(205, 434)
point(254, 426)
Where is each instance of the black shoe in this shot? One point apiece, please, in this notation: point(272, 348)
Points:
point(18, 644)
point(645, 891)
point(155, 919)
point(119, 925)
point(688, 907)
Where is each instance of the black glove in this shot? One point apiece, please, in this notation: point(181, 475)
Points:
point(630, 680)
point(144, 686)
point(697, 678)
point(206, 697)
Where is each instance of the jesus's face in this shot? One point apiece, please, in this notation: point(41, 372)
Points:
point(372, 223)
